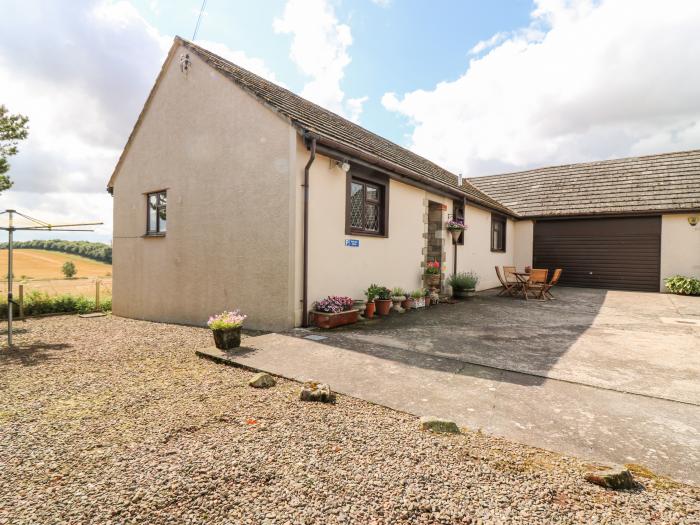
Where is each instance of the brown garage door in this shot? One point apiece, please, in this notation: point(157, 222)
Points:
point(620, 254)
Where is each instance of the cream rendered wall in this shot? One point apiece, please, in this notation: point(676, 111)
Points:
point(680, 247)
point(335, 269)
point(476, 254)
point(226, 162)
point(523, 239)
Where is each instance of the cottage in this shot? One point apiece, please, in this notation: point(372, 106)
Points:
point(234, 192)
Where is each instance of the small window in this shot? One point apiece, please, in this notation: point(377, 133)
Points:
point(366, 208)
point(458, 215)
point(156, 218)
point(498, 233)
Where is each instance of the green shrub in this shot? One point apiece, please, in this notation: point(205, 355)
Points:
point(463, 280)
point(69, 269)
point(37, 303)
point(683, 285)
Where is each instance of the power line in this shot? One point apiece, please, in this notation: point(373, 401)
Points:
point(199, 19)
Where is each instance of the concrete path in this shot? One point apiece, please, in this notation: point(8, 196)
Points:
point(574, 419)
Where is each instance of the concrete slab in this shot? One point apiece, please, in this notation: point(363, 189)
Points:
point(575, 419)
point(615, 340)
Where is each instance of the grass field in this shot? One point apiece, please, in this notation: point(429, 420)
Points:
point(41, 270)
point(45, 264)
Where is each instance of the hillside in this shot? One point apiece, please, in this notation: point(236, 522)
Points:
point(45, 264)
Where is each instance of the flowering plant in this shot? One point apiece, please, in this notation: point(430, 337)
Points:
point(334, 304)
point(455, 224)
point(432, 268)
point(226, 320)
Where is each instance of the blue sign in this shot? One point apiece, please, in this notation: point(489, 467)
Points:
point(353, 243)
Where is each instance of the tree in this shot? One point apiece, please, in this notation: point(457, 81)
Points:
point(13, 128)
point(69, 269)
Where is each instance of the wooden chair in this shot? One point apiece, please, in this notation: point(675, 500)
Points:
point(508, 272)
point(508, 288)
point(545, 294)
point(536, 282)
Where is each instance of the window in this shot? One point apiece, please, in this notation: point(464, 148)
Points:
point(458, 215)
point(366, 207)
point(498, 233)
point(156, 218)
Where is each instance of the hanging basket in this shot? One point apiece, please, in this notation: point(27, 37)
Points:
point(455, 235)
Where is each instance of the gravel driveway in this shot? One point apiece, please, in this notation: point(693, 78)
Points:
point(110, 420)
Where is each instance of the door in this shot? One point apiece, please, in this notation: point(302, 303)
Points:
point(621, 253)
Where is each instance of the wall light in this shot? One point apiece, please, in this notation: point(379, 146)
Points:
point(693, 221)
point(344, 165)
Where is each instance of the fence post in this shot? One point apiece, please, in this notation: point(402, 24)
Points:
point(21, 301)
point(97, 294)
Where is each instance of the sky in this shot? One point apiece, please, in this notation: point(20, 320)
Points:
point(477, 87)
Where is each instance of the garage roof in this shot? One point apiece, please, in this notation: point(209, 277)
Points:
point(656, 183)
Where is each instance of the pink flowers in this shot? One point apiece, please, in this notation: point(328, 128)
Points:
point(455, 224)
point(226, 320)
point(432, 268)
point(334, 304)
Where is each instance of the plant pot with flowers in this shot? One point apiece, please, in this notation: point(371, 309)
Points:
point(432, 274)
point(335, 310)
point(398, 296)
point(226, 328)
point(463, 284)
point(383, 301)
point(417, 299)
point(455, 227)
point(371, 294)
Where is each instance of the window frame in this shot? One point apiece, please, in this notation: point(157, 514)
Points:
point(376, 180)
point(499, 219)
point(156, 232)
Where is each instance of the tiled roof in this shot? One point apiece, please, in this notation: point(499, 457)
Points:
point(324, 123)
point(666, 182)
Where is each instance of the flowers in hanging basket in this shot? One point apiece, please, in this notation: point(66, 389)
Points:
point(334, 304)
point(226, 320)
point(455, 225)
point(432, 268)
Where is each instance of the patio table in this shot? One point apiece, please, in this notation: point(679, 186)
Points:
point(521, 282)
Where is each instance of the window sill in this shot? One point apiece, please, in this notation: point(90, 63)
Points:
point(352, 233)
point(498, 251)
point(148, 235)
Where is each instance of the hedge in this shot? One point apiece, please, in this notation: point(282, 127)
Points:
point(37, 303)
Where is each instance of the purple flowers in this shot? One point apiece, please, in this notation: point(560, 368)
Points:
point(455, 224)
point(226, 320)
point(334, 304)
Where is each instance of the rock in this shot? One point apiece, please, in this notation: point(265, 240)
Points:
point(262, 380)
point(314, 391)
point(611, 476)
point(434, 424)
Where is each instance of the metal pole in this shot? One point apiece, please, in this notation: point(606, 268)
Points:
point(9, 281)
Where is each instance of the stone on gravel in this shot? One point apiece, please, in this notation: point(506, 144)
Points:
point(611, 476)
point(314, 391)
point(435, 424)
point(262, 380)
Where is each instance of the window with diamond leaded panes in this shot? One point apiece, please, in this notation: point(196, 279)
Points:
point(366, 207)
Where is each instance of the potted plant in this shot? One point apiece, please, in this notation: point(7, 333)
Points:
point(432, 274)
point(335, 310)
point(371, 294)
point(226, 328)
point(383, 300)
point(528, 269)
point(398, 296)
point(417, 299)
point(455, 227)
point(360, 305)
point(463, 284)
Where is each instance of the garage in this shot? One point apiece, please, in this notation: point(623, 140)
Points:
point(613, 253)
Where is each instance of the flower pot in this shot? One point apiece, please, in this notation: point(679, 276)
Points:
point(418, 303)
point(227, 338)
point(432, 279)
point(331, 320)
point(455, 235)
point(369, 310)
point(383, 306)
point(463, 293)
point(397, 302)
point(406, 303)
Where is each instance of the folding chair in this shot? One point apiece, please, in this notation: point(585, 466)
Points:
point(545, 294)
point(507, 288)
point(536, 283)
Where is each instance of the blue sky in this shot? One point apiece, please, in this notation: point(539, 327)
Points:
point(479, 87)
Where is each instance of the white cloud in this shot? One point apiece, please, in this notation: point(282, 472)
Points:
point(483, 45)
point(586, 80)
point(81, 70)
point(320, 50)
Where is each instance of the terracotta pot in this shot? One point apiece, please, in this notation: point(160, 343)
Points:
point(383, 306)
point(227, 338)
point(406, 303)
point(331, 320)
point(369, 310)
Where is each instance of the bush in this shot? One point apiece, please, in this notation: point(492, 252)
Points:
point(69, 269)
point(683, 285)
point(463, 280)
point(37, 303)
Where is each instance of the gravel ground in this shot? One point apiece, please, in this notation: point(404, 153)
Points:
point(111, 420)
